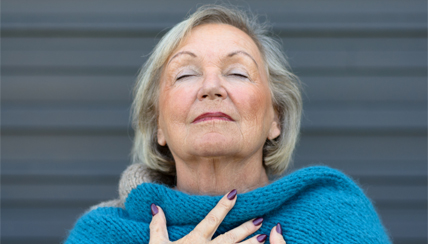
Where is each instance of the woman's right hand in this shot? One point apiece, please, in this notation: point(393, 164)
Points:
point(205, 230)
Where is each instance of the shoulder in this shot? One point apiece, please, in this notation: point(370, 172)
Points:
point(324, 177)
point(321, 172)
point(106, 225)
point(134, 175)
point(323, 183)
point(107, 221)
point(331, 201)
point(317, 177)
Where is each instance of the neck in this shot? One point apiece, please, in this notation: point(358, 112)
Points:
point(217, 176)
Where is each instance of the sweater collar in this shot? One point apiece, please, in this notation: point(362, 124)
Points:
point(184, 209)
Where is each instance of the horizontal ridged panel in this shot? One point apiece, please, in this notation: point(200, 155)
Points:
point(330, 117)
point(68, 70)
point(312, 147)
point(118, 89)
point(299, 59)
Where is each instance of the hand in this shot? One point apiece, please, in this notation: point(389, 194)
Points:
point(205, 230)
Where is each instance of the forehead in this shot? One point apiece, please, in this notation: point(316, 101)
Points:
point(218, 39)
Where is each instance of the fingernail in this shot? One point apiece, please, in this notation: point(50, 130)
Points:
point(279, 228)
point(154, 209)
point(258, 221)
point(232, 194)
point(261, 238)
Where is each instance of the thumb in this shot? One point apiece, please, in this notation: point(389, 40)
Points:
point(158, 231)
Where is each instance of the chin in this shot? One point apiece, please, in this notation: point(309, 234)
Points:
point(215, 146)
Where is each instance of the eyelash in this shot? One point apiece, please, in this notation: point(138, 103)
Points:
point(240, 75)
point(183, 77)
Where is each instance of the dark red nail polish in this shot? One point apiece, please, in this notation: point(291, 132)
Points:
point(154, 209)
point(258, 221)
point(232, 194)
point(261, 238)
point(279, 228)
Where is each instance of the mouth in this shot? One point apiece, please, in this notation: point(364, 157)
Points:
point(212, 116)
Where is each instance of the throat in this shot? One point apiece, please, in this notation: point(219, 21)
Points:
point(218, 177)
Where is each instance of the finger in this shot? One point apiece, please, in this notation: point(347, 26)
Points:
point(210, 223)
point(240, 232)
point(276, 235)
point(158, 231)
point(255, 239)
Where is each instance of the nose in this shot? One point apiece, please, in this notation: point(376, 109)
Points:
point(212, 88)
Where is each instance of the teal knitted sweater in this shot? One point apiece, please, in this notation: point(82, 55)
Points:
point(313, 205)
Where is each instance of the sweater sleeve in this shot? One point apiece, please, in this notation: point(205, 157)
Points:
point(108, 225)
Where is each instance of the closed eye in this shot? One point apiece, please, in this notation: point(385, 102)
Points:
point(183, 77)
point(240, 75)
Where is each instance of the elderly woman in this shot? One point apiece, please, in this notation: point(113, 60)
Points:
point(216, 112)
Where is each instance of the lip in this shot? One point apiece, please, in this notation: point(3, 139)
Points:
point(212, 116)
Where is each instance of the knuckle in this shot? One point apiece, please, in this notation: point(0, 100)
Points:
point(247, 228)
point(212, 219)
point(225, 204)
point(220, 237)
point(231, 237)
point(192, 239)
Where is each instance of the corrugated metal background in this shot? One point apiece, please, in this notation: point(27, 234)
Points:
point(68, 68)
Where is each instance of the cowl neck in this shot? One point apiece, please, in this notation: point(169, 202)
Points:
point(287, 201)
point(313, 205)
point(253, 204)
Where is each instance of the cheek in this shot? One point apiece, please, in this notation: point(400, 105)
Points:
point(253, 105)
point(175, 104)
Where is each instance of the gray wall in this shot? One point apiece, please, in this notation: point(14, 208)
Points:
point(68, 68)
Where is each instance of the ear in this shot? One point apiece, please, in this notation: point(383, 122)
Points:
point(161, 138)
point(275, 128)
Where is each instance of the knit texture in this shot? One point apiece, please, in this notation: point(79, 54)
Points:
point(313, 205)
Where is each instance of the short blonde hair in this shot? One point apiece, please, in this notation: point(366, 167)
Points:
point(284, 86)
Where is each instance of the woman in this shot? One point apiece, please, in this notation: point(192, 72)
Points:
point(217, 113)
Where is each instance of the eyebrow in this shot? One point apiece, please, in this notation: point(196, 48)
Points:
point(242, 52)
point(181, 53)
point(229, 55)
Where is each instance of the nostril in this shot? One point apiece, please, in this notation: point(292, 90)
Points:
point(204, 96)
point(218, 95)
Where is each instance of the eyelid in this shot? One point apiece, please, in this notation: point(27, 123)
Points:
point(185, 73)
point(239, 72)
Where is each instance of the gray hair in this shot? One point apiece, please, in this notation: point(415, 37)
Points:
point(284, 86)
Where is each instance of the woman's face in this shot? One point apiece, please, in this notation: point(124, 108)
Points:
point(214, 96)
